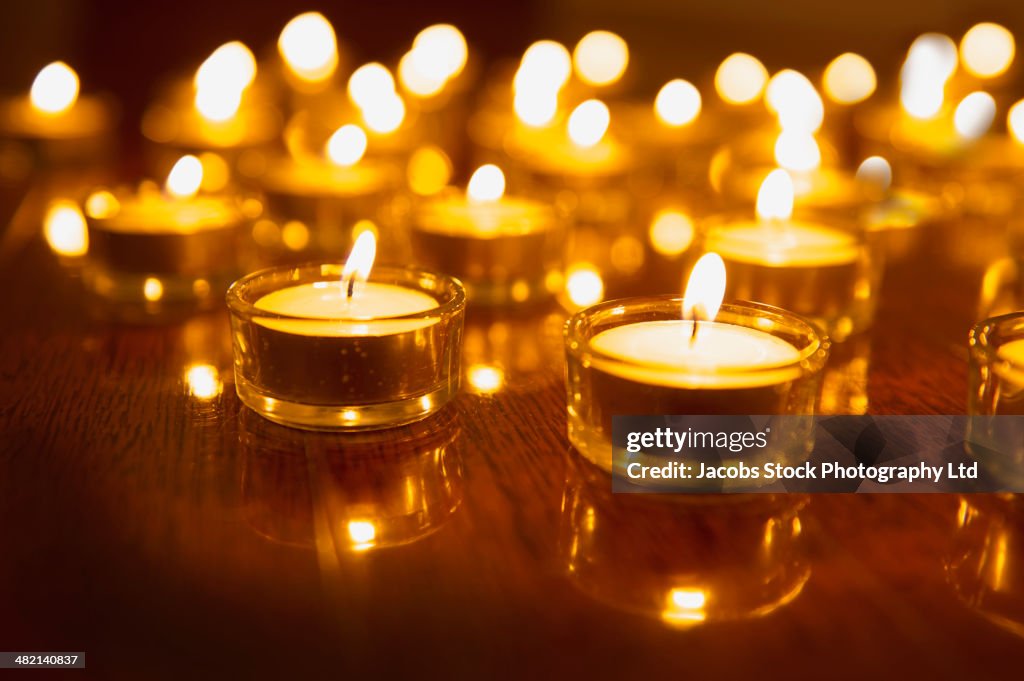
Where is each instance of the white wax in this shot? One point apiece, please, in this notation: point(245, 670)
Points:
point(726, 356)
point(783, 244)
point(326, 310)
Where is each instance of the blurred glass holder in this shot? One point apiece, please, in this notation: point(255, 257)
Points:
point(151, 257)
point(32, 140)
point(996, 389)
point(685, 561)
point(343, 373)
point(506, 252)
point(601, 386)
point(356, 492)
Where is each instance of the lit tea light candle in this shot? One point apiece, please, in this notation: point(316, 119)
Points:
point(309, 51)
point(686, 356)
point(581, 151)
point(817, 270)
point(326, 347)
point(324, 196)
point(504, 249)
point(221, 109)
point(55, 123)
point(162, 249)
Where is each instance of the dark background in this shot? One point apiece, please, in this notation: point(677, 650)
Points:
point(126, 47)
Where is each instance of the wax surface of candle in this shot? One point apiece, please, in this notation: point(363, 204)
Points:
point(783, 244)
point(724, 356)
point(156, 214)
point(318, 177)
point(506, 216)
point(327, 311)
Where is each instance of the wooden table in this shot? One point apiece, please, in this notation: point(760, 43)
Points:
point(170, 536)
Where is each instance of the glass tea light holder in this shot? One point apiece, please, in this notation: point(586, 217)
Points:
point(820, 269)
point(316, 200)
point(153, 252)
point(691, 355)
point(335, 347)
point(996, 389)
point(504, 249)
point(55, 124)
point(685, 561)
point(370, 490)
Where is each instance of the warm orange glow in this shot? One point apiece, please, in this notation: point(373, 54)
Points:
point(671, 232)
point(185, 177)
point(678, 103)
point(152, 289)
point(583, 285)
point(849, 79)
point(546, 64)
point(685, 606)
point(231, 66)
point(794, 101)
point(429, 171)
point(309, 47)
point(1015, 122)
point(360, 259)
point(102, 204)
point(347, 145)
point(362, 534)
point(203, 381)
point(486, 185)
point(775, 196)
point(600, 58)
point(589, 122)
point(439, 52)
point(987, 50)
point(384, 115)
point(931, 61)
point(797, 151)
point(535, 106)
point(875, 172)
point(974, 115)
point(740, 79)
point(415, 81)
point(64, 229)
point(485, 378)
point(369, 84)
point(705, 289)
point(55, 89)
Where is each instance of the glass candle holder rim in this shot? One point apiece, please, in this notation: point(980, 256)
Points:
point(238, 304)
point(988, 335)
point(573, 331)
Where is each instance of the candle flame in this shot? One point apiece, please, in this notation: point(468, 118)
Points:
point(775, 196)
point(1015, 122)
point(876, 173)
point(185, 178)
point(362, 533)
point(347, 145)
point(428, 171)
point(55, 89)
point(486, 185)
point(740, 78)
point(931, 62)
point(64, 229)
point(794, 101)
point(589, 122)
point(987, 50)
point(546, 64)
point(600, 58)
point(974, 115)
point(535, 106)
point(685, 606)
point(369, 84)
point(584, 285)
point(415, 81)
point(203, 381)
point(222, 79)
point(360, 260)
point(678, 103)
point(439, 52)
point(705, 289)
point(849, 79)
point(384, 115)
point(797, 151)
point(309, 47)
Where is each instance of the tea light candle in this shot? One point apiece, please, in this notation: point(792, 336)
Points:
point(325, 347)
point(54, 122)
point(161, 248)
point(504, 249)
point(816, 270)
point(689, 356)
point(328, 193)
point(895, 215)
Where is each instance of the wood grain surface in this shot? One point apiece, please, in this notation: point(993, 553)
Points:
point(171, 537)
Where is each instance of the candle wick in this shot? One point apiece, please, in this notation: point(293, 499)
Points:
point(351, 288)
point(698, 313)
